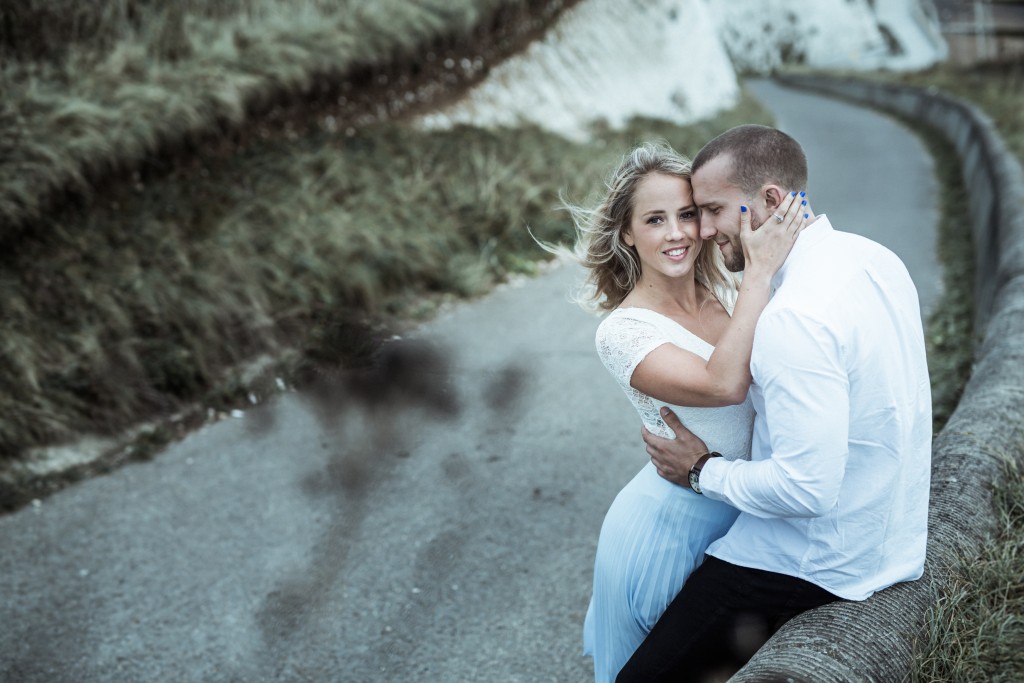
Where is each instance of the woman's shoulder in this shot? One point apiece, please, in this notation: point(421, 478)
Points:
point(628, 334)
point(633, 313)
point(630, 321)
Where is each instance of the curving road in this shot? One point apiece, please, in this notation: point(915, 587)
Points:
point(434, 523)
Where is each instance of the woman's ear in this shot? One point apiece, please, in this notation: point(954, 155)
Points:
point(627, 237)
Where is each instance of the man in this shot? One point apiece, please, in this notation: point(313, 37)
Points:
point(834, 501)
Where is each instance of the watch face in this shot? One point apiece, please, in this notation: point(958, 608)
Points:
point(694, 483)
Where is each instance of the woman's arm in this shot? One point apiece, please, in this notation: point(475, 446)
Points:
point(679, 377)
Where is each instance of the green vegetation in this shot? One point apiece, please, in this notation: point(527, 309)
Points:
point(949, 333)
point(109, 104)
point(975, 628)
point(997, 88)
point(98, 87)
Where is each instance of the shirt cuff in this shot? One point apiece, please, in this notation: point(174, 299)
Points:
point(712, 477)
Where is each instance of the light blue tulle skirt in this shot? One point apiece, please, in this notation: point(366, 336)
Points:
point(652, 538)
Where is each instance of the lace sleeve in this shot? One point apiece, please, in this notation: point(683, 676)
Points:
point(622, 342)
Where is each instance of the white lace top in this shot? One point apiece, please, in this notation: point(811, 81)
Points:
point(627, 335)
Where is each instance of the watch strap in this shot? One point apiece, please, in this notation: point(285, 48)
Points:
point(694, 475)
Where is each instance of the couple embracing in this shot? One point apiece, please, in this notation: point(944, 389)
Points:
point(801, 475)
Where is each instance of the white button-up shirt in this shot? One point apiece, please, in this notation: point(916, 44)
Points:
point(836, 491)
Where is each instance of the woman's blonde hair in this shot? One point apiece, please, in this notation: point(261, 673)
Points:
point(613, 265)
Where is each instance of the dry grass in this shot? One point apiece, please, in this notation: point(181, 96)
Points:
point(975, 629)
point(997, 88)
point(96, 87)
point(949, 333)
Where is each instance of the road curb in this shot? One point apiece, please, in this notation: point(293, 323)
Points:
point(873, 640)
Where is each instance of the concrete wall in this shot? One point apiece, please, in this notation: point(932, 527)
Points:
point(873, 640)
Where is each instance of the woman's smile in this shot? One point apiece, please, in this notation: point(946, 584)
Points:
point(677, 253)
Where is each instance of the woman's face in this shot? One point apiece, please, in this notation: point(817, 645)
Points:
point(665, 227)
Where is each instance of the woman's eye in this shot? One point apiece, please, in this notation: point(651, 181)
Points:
point(688, 216)
point(654, 219)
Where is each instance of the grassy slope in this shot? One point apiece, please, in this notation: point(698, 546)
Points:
point(950, 329)
point(91, 285)
point(95, 87)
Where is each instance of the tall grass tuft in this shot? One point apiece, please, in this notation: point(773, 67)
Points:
point(975, 628)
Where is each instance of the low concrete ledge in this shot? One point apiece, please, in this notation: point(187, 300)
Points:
point(873, 640)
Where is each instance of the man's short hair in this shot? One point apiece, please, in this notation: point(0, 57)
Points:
point(761, 156)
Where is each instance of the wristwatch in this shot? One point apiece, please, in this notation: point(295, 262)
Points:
point(694, 477)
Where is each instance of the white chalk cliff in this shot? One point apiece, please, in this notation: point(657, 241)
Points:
point(610, 60)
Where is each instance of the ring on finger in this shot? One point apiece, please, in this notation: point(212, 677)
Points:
point(778, 218)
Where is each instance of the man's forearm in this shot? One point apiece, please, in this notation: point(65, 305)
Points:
point(763, 488)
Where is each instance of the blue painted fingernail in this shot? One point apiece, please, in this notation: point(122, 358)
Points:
point(743, 209)
point(803, 203)
point(803, 194)
point(807, 215)
point(792, 194)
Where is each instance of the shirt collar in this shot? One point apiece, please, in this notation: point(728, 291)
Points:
point(808, 237)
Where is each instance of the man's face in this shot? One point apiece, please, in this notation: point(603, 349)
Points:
point(719, 201)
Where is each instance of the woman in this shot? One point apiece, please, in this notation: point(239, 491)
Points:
point(680, 334)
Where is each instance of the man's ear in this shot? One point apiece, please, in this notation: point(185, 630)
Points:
point(772, 196)
point(627, 237)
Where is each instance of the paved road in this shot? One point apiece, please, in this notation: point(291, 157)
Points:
point(438, 527)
